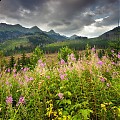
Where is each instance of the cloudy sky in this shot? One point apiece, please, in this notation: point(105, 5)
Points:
point(82, 17)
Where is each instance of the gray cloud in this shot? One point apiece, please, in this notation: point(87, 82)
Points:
point(65, 16)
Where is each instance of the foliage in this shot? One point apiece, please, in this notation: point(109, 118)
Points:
point(80, 90)
point(64, 53)
point(37, 54)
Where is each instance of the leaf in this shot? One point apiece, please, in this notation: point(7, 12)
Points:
point(68, 93)
point(67, 101)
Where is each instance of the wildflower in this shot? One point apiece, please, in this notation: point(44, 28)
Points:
point(42, 65)
point(62, 76)
point(15, 75)
point(62, 62)
point(100, 62)
point(102, 79)
point(26, 78)
point(119, 55)
point(39, 61)
point(9, 100)
point(15, 65)
point(25, 69)
point(113, 63)
point(60, 95)
point(8, 70)
point(31, 78)
point(14, 70)
point(72, 57)
point(7, 83)
point(93, 49)
point(21, 101)
point(108, 85)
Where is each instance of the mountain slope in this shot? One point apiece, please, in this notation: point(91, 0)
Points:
point(55, 35)
point(112, 34)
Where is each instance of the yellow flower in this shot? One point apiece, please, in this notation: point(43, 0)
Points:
point(103, 107)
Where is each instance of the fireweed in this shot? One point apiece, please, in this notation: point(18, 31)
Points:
point(75, 90)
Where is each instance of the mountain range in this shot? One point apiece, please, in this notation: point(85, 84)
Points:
point(17, 37)
point(8, 31)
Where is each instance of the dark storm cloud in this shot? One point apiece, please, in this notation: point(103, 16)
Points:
point(62, 15)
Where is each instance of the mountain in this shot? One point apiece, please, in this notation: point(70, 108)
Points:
point(14, 31)
point(75, 37)
point(112, 34)
point(35, 29)
point(8, 31)
point(55, 35)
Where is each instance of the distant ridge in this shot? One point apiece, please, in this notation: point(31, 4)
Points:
point(112, 34)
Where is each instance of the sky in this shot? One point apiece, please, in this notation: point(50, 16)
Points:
point(89, 18)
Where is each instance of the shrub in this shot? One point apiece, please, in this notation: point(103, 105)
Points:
point(64, 52)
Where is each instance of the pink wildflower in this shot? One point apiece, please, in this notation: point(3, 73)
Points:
point(113, 63)
point(108, 85)
point(15, 65)
point(60, 95)
point(62, 62)
point(93, 49)
point(9, 100)
point(31, 78)
point(21, 101)
point(39, 61)
point(62, 76)
point(102, 79)
point(15, 75)
point(100, 62)
point(8, 70)
point(72, 57)
point(119, 55)
point(26, 78)
point(42, 65)
point(14, 70)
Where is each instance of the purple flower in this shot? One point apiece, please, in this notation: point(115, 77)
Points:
point(93, 49)
point(42, 65)
point(21, 101)
point(100, 62)
point(15, 65)
point(62, 62)
point(62, 76)
point(26, 78)
point(25, 69)
point(8, 70)
point(60, 95)
point(72, 57)
point(14, 70)
point(15, 75)
point(119, 55)
point(39, 61)
point(102, 79)
point(31, 78)
point(9, 100)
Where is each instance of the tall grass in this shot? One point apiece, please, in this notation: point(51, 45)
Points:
point(77, 90)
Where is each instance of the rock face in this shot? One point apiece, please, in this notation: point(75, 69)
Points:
point(112, 34)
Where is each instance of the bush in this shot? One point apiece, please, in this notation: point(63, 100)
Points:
point(64, 52)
